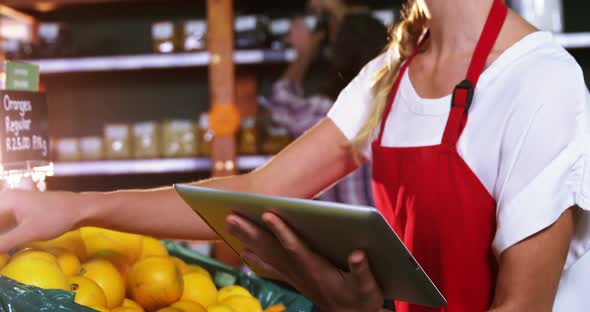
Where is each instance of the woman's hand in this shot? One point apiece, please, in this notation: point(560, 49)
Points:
point(287, 257)
point(32, 216)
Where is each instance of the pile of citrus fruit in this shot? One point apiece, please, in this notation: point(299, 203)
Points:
point(122, 272)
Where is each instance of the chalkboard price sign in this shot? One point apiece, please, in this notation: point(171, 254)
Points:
point(23, 133)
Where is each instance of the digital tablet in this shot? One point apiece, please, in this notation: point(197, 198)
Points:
point(332, 230)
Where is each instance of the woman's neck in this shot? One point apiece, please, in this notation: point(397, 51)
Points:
point(455, 25)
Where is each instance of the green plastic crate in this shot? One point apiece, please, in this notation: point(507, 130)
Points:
point(16, 297)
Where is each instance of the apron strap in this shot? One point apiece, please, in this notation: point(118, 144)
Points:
point(464, 91)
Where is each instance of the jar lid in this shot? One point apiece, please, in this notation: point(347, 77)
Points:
point(163, 30)
point(195, 27)
point(248, 122)
point(143, 128)
point(116, 131)
point(245, 23)
point(204, 121)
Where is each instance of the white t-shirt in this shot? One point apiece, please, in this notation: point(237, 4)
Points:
point(527, 140)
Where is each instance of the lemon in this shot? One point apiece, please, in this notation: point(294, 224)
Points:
point(97, 239)
point(108, 278)
point(36, 269)
point(155, 282)
point(189, 306)
point(200, 289)
point(4, 259)
point(232, 290)
point(88, 293)
point(219, 308)
point(181, 265)
point(243, 304)
point(152, 247)
point(70, 241)
point(128, 303)
point(193, 268)
point(68, 262)
point(276, 308)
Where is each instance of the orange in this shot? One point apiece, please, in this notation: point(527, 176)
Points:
point(200, 289)
point(155, 282)
point(35, 254)
point(36, 269)
point(108, 278)
point(4, 260)
point(198, 269)
point(88, 293)
point(181, 265)
point(276, 308)
point(189, 306)
point(100, 309)
point(125, 309)
point(243, 304)
point(152, 247)
point(219, 308)
point(70, 241)
point(169, 309)
point(67, 261)
point(120, 261)
point(128, 303)
point(97, 239)
point(232, 290)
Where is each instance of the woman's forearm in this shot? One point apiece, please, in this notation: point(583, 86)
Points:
point(157, 212)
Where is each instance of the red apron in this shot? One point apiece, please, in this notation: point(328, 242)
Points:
point(435, 202)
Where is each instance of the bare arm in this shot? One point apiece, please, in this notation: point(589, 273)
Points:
point(529, 272)
point(309, 165)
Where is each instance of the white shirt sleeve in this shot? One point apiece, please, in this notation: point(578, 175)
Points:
point(545, 157)
point(353, 105)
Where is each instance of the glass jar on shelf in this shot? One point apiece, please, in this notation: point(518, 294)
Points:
point(146, 140)
point(67, 149)
point(117, 141)
point(165, 37)
point(248, 137)
point(194, 35)
point(252, 32)
point(91, 148)
point(277, 138)
point(205, 135)
point(179, 139)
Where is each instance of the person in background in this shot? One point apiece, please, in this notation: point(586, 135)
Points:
point(354, 38)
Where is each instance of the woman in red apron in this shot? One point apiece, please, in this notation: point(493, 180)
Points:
point(491, 196)
point(439, 208)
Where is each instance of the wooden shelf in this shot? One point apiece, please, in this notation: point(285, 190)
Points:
point(574, 40)
point(148, 166)
point(201, 59)
point(154, 61)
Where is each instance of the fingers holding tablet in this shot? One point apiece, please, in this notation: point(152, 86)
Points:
point(283, 253)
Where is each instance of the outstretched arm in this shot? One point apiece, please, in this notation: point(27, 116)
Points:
point(306, 167)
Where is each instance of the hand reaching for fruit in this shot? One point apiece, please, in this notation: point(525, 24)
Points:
point(23, 219)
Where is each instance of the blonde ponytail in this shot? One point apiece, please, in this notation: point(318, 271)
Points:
point(404, 39)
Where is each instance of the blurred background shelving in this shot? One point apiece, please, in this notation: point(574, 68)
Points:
point(114, 76)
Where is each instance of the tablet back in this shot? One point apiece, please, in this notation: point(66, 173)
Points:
point(331, 229)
